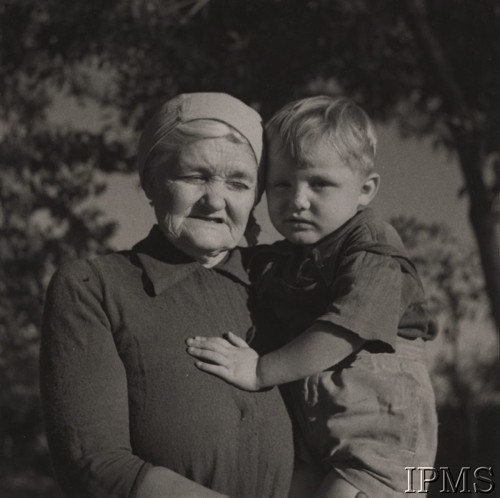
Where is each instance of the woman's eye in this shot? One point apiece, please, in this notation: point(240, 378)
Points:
point(193, 178)
point(239, 186)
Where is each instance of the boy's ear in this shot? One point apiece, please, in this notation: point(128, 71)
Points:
point(369, 189)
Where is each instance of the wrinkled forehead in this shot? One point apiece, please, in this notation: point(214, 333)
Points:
point(217, 154)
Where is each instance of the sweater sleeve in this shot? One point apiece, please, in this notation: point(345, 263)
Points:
point(84, 391)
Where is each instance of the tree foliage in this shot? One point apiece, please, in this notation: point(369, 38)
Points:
point(464, 363)
point(430, 66)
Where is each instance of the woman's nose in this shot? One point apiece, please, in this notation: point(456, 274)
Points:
point(213, 199)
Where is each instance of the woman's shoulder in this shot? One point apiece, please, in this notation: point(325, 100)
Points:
point(91, 269)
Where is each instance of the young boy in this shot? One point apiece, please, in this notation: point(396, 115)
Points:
point(345, 303)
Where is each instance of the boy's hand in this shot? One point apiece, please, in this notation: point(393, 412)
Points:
point(230, 359)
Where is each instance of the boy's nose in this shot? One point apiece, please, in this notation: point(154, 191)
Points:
point(300, 200)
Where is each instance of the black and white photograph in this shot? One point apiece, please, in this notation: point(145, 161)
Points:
point(249, 248)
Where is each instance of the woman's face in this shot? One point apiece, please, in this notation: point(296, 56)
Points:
point(203, 197)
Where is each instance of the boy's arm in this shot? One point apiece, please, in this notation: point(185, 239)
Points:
point(318, 348)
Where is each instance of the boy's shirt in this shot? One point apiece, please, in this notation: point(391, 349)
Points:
point(358, 277)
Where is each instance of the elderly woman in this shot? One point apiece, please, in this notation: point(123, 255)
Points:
point(126, 413)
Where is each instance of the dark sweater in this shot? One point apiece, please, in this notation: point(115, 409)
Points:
point(121, 394)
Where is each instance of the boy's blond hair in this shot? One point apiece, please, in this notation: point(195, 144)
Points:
point(301, 124)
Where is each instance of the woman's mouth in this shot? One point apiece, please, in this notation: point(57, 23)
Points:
point(209, 219)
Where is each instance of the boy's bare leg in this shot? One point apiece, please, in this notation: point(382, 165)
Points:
point(335, 486)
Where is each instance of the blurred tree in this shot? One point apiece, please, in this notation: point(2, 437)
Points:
point(431, 66)
point(464, 366)
point(45, 177)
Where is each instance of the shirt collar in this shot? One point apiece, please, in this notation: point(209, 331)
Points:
point(324, 248)
point(166, 266)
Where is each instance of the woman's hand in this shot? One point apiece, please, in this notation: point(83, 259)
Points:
point(229, 358)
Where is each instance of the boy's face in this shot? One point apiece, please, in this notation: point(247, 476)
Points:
point(306, 202)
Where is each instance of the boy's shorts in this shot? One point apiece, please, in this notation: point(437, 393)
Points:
point(371, 418)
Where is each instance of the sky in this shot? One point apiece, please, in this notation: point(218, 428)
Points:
point(416, 181)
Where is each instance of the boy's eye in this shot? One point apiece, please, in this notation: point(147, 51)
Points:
point(319, 184)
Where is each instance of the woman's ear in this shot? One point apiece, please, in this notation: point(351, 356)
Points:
point(369, 189)
point(148, 182)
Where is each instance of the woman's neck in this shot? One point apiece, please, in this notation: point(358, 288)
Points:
point(211, 261)
point(207, 259)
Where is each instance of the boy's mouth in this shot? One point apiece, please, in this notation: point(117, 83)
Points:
point(298, 221)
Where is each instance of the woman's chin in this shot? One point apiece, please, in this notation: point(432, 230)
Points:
point(206, 240)
point(206, 247)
